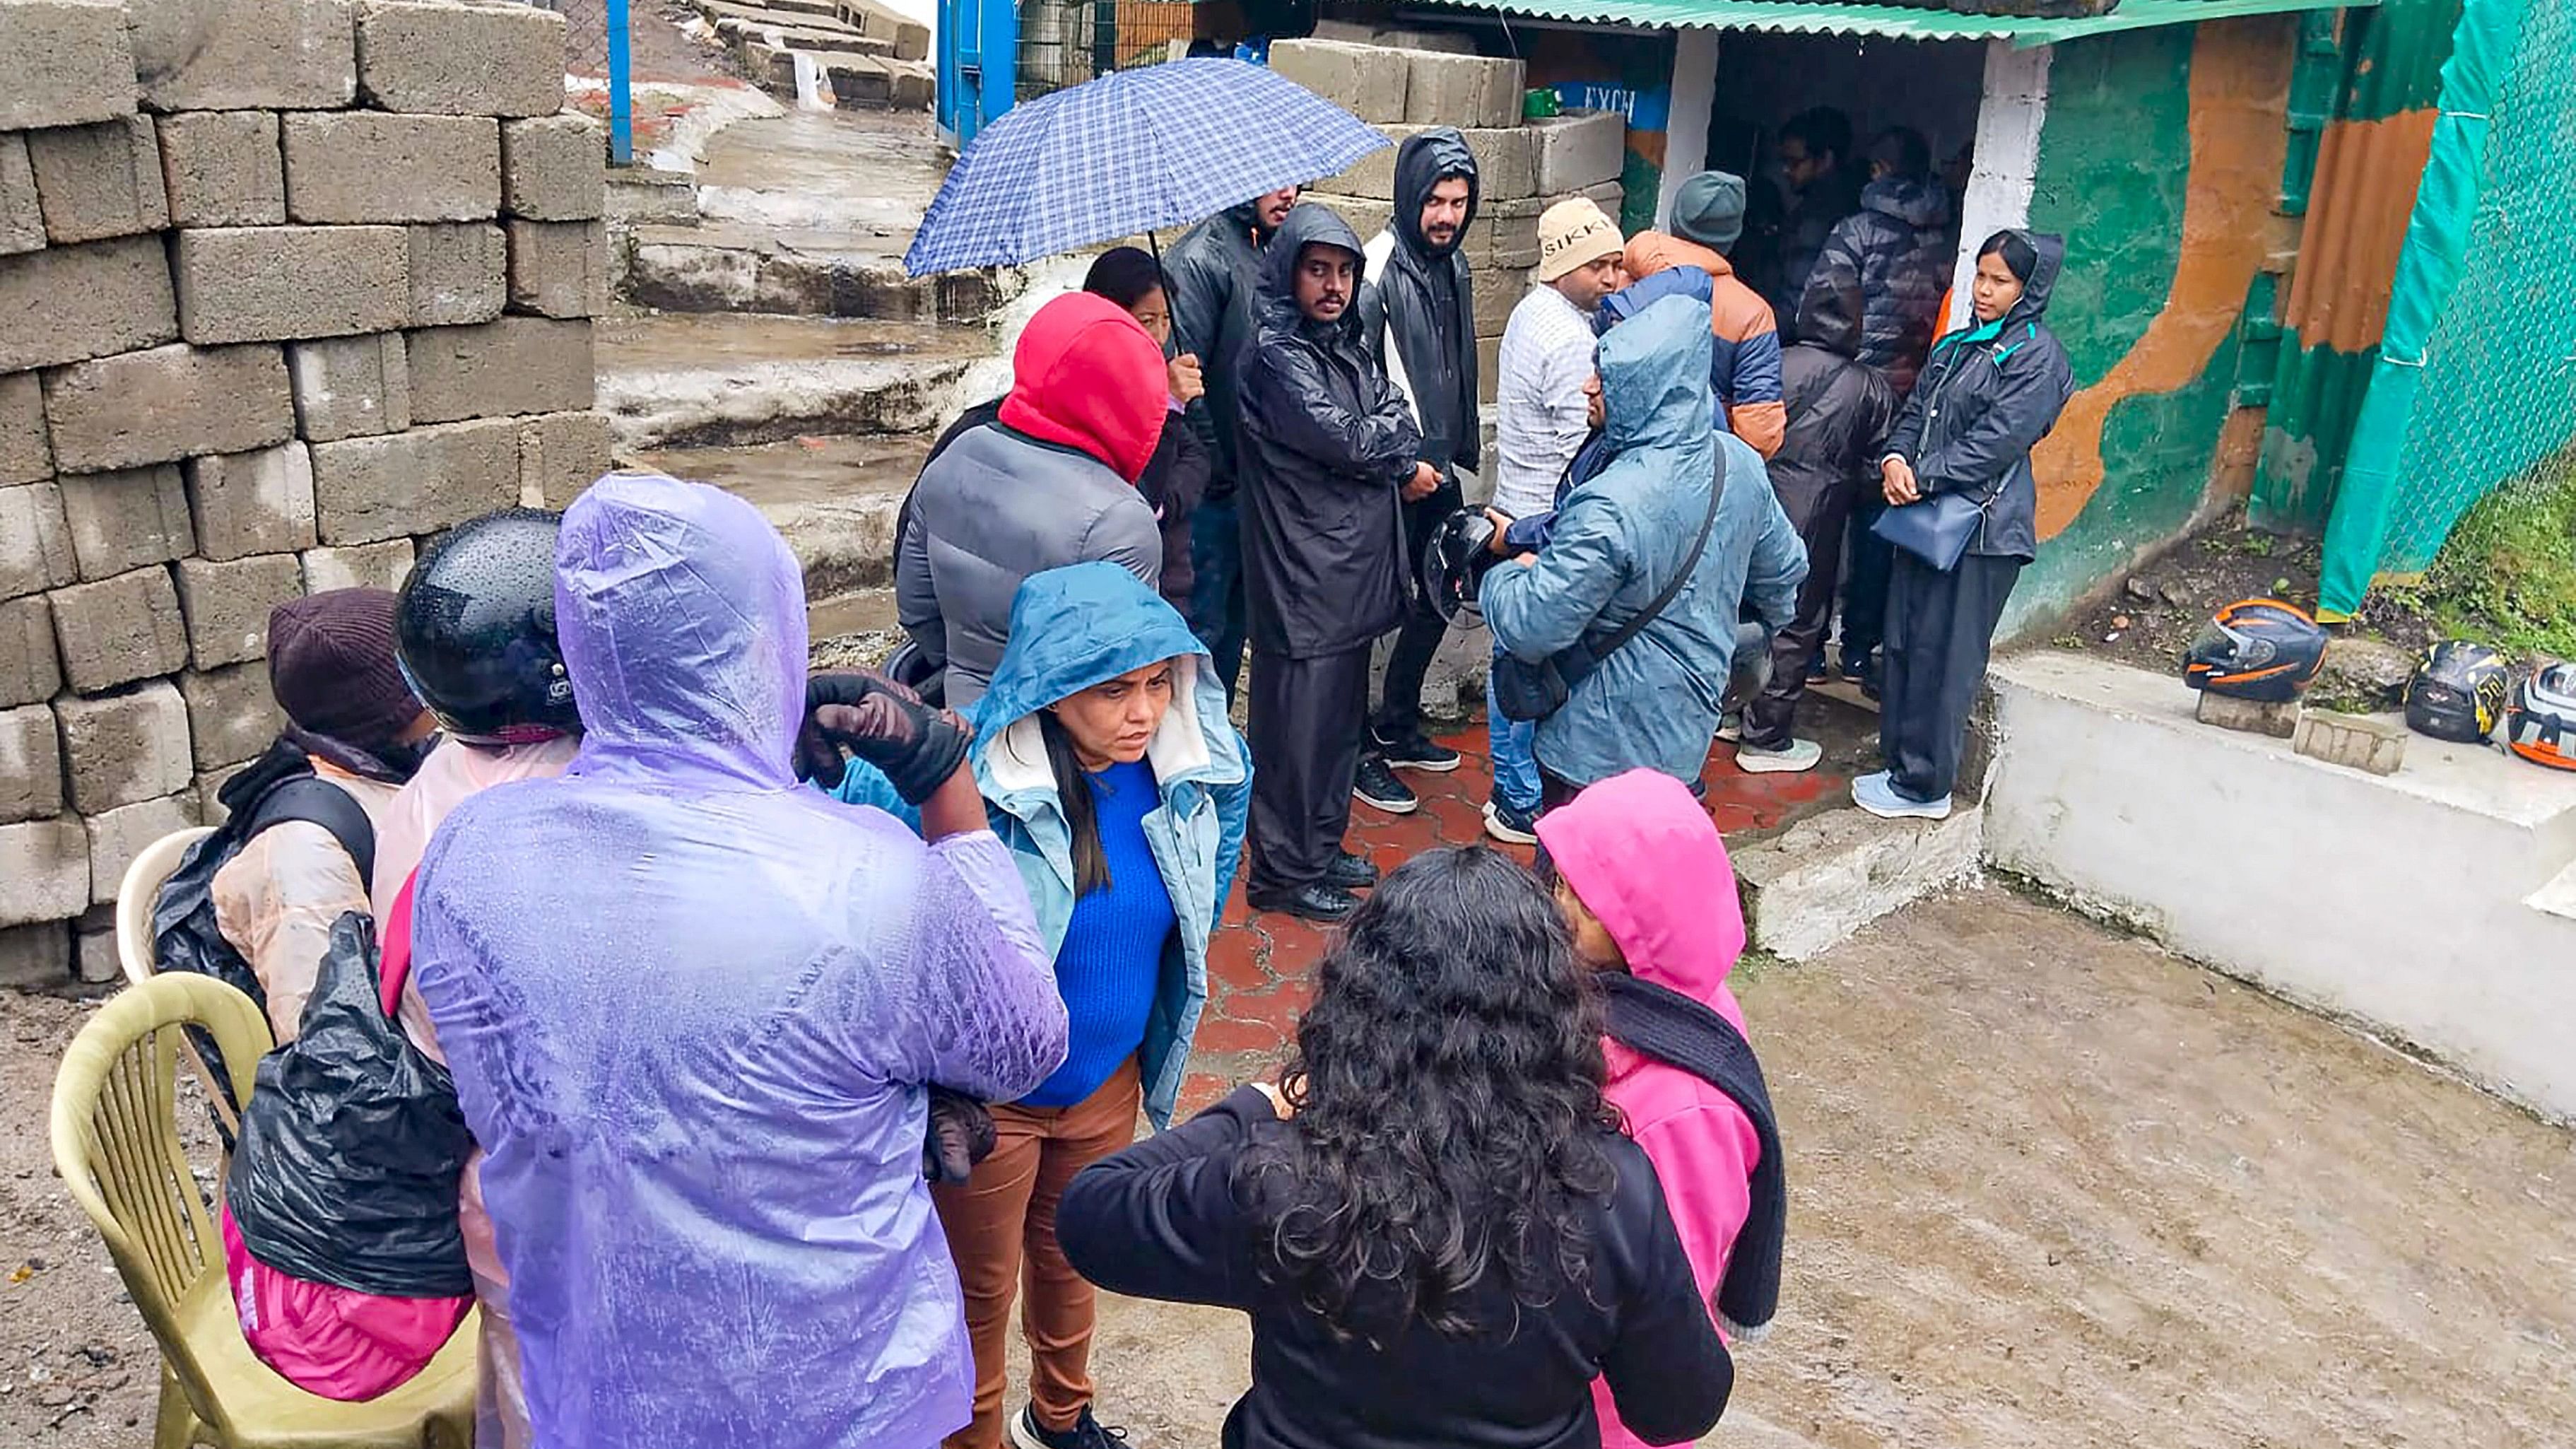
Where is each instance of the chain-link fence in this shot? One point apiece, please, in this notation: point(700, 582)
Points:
point(1064, 43)
point(2476, 380)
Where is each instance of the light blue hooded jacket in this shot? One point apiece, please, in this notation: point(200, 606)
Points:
point(1618, 540)
point(1072, 628)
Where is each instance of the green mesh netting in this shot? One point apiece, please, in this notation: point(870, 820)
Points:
point(2476, 379)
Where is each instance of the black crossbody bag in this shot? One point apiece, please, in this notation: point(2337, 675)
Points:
point(1526, 691)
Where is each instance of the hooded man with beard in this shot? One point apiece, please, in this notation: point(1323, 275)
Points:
point(1418, 313)
point(1215, 273)
point(1329, 452)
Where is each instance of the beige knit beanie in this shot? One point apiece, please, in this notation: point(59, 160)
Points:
point(1571, 234)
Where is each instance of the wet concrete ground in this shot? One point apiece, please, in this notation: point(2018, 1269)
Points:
point(2050, 1187)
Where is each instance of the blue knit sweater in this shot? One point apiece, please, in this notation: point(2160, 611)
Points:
point(1112, 957)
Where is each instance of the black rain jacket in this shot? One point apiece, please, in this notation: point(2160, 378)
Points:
point(1324, 444)
point(1421, 299)
point(1215, 275)
point(1987, 397)
point(1839, 410)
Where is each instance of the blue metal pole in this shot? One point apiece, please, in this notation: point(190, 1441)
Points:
point(621, 111)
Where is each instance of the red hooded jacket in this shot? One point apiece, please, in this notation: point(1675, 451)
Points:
point(1087, 375)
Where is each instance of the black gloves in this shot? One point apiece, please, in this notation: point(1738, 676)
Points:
point(961, 1135)
point(879, 721)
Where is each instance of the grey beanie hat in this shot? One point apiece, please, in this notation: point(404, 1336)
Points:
point(1709, 209)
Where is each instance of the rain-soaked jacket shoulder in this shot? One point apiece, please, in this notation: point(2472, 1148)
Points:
point(1744, 366)
point(1892, 258)
point(1325, 443)
point(1418, 310)
point(1073, 628)
point(692, 1010)
point(1622, 536)
point(1215, 272)
point(1990, 393)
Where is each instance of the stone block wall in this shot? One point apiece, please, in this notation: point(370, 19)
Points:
point(1522, 168)
point(286, 288)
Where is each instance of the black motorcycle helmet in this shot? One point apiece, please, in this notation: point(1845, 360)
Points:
point(1454, 561)
point(2457, 692)
point(474, 631)
point(2258, 649)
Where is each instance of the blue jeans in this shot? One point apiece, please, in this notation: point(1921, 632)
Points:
point(1216, 594)
point(1515, 768)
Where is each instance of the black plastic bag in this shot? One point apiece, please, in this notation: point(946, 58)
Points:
point(353, 1144)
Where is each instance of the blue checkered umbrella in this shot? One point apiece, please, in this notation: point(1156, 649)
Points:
point(1134, 151)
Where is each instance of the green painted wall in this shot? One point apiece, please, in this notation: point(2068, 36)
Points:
point(2112, 167)
point(2158, 449)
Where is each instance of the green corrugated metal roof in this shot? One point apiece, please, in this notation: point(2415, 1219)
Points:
point(1903, 22)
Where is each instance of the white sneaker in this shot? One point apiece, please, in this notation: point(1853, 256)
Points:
point(1730, 728)
point(1792, 758)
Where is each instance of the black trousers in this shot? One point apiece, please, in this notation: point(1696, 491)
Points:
point(1399, 713)
point(1820, 515)
point(1940, 628)
point(1307, 719)
point(1865, 590)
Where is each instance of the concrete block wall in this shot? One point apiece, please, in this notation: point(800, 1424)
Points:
point(286, 287)
point(1522, 168)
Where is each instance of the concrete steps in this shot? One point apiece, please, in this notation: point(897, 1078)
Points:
point(671, 380)
point(865, 55)
point(834, 499)
point(719, 266)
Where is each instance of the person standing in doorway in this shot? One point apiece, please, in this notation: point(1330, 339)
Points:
point(1839, 414)
point(1418, 313)
point(1215, 273)
point(1815, 155)
point(1744, 370)
point(1891, 260)
point(1547, 404)
point(1990, 394)
point(1329, 453)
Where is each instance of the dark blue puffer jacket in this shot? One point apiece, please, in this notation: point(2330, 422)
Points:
point(1891, 259)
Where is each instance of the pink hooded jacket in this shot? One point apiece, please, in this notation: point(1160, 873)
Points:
point(1644, 858)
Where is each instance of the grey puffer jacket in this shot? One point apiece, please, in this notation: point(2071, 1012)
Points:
point(993, 508)
point(1326, 442)
point(1892, 257)
point(1215, 272)
point(1989, 395)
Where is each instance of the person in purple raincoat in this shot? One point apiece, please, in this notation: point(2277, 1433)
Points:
point(693, 1011)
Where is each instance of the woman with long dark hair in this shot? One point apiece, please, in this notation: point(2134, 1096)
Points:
point(1109, 770)
point(1434, 1222)
point(1989, 393)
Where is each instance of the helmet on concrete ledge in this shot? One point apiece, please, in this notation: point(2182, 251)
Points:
point(474, 631)
point(2540, 720)
point(2458, 692)
point(1454, 560)
point(2258, 649)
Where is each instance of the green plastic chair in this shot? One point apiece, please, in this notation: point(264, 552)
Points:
point(116, 1144)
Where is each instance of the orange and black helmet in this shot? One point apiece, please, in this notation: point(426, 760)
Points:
point(2257, 649)
point(2540, 721)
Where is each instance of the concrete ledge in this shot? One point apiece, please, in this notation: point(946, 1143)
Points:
point(1811, 887)
point(2418, 903)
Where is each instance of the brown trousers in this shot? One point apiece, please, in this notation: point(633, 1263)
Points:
point(1001, 1230)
